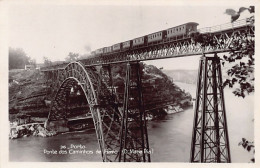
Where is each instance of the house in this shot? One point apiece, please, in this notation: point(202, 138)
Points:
point(29, 67)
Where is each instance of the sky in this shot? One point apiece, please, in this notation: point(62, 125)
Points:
point(55, 29)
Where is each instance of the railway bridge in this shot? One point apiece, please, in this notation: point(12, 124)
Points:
point(122, 128)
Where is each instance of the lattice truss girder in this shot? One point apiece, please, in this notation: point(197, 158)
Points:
point(210, 135)
point(105, 117)
point(222, 40)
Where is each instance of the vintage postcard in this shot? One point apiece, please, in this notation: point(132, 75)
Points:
point(164, 83)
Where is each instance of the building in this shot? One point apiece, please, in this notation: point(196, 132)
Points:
point(29, 67)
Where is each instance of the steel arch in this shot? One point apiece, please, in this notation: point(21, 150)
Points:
point(97, 95)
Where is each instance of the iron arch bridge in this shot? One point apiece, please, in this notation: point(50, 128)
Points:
point(122, 128)
point(105, 113)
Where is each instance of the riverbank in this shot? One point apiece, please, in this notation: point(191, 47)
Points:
point(18, 130)
point(30, 129)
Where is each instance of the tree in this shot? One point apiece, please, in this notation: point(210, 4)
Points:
point(18, 58)
point(235, 15)
point(241, 74)
point(240, 57)
point(46, 61)
point(249, 146)
point(72, 57)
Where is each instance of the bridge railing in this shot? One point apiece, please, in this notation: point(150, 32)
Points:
point(225, 26)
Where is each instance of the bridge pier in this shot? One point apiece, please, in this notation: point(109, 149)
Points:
point(210, 142)
point(107, 78)
point(134, 120)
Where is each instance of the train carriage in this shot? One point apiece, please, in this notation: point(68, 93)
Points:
point(107, 49)
point(174, 33)
point(116, 47)
point(138, 41)
point(158, 36)
point(181, 30)
point(191, 27)
point(126, 44)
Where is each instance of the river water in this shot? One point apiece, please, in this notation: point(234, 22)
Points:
point(170, 138)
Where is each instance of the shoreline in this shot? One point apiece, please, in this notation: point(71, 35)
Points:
point(37, 128)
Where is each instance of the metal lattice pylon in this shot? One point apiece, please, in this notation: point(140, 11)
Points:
point(210, 141)
point(134, 138)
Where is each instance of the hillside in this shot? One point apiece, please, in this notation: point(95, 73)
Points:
point(185, 76)
point(28, 90)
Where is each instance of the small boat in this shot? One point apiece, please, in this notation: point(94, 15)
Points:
point(78, 127)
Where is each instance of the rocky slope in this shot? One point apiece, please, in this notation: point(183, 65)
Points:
point(28, 91)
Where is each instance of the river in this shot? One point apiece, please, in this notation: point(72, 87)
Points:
point(170, 138)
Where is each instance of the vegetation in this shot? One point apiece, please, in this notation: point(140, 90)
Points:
point(240, 57)
point(242, 72)
point(27, 92)
point(72, 57)
point(18, 59)
point(46, 61)
point(249, 146)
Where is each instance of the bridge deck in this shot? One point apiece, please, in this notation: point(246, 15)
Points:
point(167, 49)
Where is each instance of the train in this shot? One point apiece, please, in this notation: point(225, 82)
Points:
point(170, 34)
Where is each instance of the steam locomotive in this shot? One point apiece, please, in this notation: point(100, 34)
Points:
point(171, 34)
